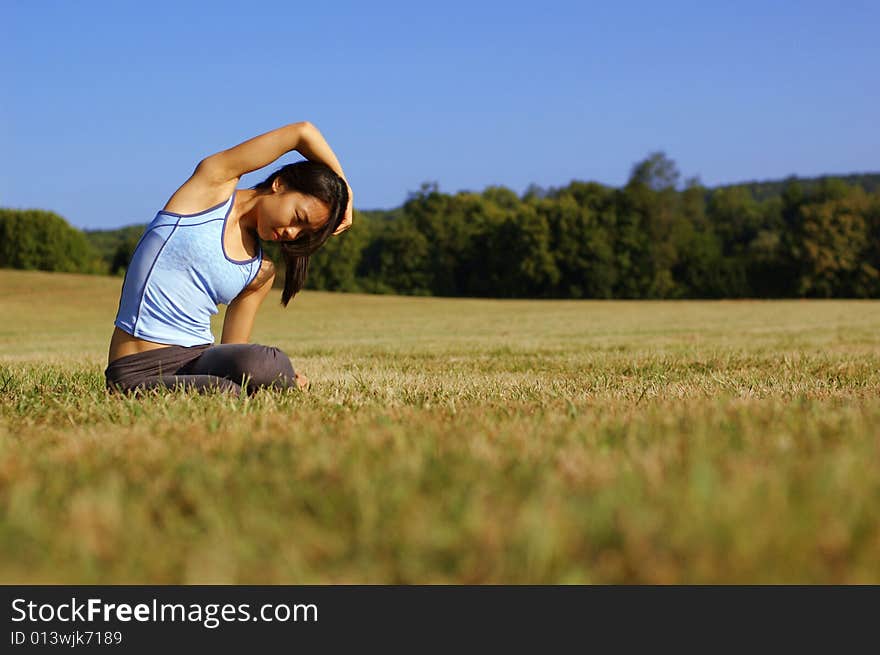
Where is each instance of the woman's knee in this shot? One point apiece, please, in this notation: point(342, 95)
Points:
point(254, 364)
point(270, 366)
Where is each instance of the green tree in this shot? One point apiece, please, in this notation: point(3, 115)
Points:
point(517, 262)
point(701, 270)
point(831, 241)
point(582, 222)
point(396, 260)
point(34, 239)
point(871, 257)
point(652, 202)
point(449, 224)
point(334, 266)
point(657, 172)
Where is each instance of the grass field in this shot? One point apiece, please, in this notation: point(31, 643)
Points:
point(451, 441)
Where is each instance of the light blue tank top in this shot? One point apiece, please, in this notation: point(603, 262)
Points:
point(178, 275)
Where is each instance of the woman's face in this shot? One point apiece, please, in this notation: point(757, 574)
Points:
point(285, 215)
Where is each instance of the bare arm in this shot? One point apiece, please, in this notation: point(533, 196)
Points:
point(239, 319)
point(262, 150)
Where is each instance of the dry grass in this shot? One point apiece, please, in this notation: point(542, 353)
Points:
point(451, 440)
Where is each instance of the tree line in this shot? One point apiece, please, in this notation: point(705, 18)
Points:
point(655, 237)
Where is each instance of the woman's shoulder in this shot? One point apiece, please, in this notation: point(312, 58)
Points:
point(198, 194)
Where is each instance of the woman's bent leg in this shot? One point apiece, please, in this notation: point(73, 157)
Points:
point(251, 365)
point(156, 368)
point(199, 383)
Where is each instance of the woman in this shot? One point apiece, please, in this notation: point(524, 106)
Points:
point(203, 249)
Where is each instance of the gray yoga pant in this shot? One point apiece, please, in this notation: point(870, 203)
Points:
point(231, 367)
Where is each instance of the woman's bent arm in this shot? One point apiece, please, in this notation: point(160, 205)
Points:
point(240, 314)
point(257, 152)
point(262, 150)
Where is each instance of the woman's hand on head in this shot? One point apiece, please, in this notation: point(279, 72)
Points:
point(349, 214)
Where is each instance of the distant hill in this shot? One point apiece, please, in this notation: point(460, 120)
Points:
point(762, 191)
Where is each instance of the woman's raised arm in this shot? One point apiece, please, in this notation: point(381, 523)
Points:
point(262, 150)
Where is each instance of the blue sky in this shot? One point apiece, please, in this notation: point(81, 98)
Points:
point(107, 106)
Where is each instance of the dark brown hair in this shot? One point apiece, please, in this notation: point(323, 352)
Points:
point(313, 179)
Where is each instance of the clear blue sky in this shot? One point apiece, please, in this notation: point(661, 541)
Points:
point(107, 106)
